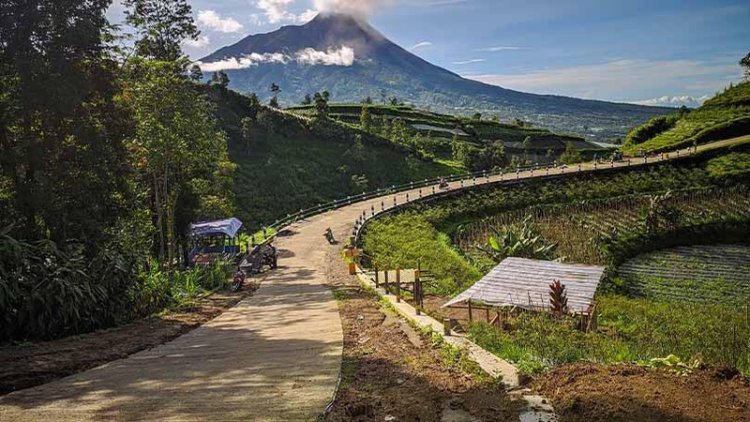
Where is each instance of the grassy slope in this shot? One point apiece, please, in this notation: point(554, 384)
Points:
point(286, 172)
point(731, 107)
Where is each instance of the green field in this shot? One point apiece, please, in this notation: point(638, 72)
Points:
point(724, 116)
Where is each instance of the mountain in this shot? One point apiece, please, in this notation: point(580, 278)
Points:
point(352, 60)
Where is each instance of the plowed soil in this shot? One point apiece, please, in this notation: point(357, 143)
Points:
point(591, 392)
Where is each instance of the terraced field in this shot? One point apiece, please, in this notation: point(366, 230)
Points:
point(701, 273)
point(579, 228)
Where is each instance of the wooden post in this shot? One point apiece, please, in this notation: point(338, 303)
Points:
point(487, 311)
point(398, 285)
point(417, 292)
point(377, 278)
point(470, 316)
point(386, 284)
point(446, 326)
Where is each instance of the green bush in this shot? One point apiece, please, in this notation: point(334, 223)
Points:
point(648, 130)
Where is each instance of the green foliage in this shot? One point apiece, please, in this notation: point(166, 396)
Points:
point(161, 26)
point(631, 330)
point(408, 240)
point(733, 163)
point(521, 240)
point(178, 150)
point(648, 130)
point(726, 115)
point(571, 155)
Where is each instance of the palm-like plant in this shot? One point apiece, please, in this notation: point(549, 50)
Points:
point(521, 241)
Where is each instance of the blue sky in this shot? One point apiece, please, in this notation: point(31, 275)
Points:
point(654, 52)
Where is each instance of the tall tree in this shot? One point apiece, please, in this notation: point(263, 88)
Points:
point(161, 26)
point(176, 146)
point(61, 139)
point(745, 62)
point(365, 119)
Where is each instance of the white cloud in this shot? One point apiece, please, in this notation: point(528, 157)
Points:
point(343, 56)
point(244, 62)
point(674, 101)
point(469, 61)
point(212, 20)
point(362, 8)
point(499, 48)
point(420, 45)
point(307, 16)
point(278, 11)
point(610, 80)
point(202, 41)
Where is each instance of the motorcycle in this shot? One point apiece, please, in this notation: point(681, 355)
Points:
point(239, 280)
point(329, 236)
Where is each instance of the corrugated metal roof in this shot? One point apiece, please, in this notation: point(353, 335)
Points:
point(525, 283)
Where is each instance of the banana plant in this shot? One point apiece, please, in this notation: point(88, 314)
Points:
point(521, 241)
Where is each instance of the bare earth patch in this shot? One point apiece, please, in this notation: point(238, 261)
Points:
point(591, 392)
point(30, 364)
point(392, 372)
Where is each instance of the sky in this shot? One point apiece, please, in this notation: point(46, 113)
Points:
point(655, 52)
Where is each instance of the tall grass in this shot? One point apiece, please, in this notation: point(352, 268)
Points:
point(49, 290)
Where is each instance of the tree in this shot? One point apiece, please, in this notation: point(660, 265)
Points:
point(220, 79)
point(365, 119)
point(367, 100)
point(458, 148)
point(745, 62)
point(275, 89)
point(63, 167)
point(176, 147)
point(247, 135)
point(274, 102)
point(477, 116)
point(307, 100)
point(161, 25)
point(571, 155)
point(196, 73)
point(321, 104)
point(394, 101)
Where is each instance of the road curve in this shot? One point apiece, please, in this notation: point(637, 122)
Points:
point(274, 356)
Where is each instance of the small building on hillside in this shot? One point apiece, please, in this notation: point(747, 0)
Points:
point(525, 283)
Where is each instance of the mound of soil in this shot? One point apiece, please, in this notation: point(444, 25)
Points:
point(29, 364)
point(591, 392)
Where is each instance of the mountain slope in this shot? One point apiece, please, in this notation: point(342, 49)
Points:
point(382, 68)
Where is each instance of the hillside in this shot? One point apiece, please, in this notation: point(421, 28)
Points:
point(724, 116)
point(292, 163)
point(378, 68)
point(435, 131)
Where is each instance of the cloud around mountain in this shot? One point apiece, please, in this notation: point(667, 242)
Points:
point(342, 56)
